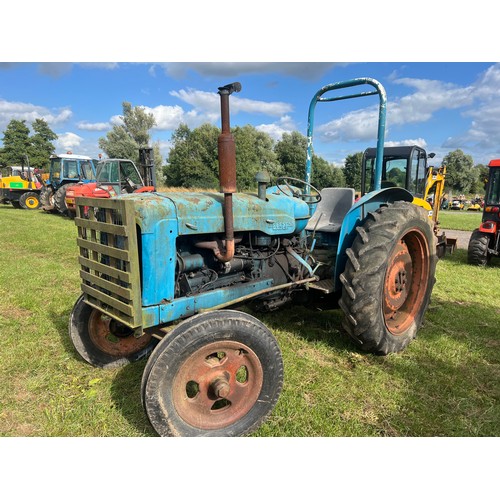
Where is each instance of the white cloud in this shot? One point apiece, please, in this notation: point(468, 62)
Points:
point(68, 140)
point(360, 125)
point(11, 110)
point(277, 129)
point(408, 142)
point(167, 117)
point(99, 126)
point(429, 97)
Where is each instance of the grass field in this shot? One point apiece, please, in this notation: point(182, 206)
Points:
point(462, 221)
point(447, 383)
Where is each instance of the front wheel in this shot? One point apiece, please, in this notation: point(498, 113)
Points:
point(104, 342)
point(29, 201)
point(477, 251)
point(216, 374)
point(388, 278)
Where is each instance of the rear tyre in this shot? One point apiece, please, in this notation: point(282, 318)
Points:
point(47, 199)
point(217, 374)
point(102, 341)
point(29, 201)
point(60, 198)
point(477, 251)
point(388, 278)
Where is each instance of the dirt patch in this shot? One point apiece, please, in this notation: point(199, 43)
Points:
point(462, 237)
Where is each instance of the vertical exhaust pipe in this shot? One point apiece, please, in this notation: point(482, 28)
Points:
point(227, 168)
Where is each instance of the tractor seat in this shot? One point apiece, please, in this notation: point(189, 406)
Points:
point(331, 210)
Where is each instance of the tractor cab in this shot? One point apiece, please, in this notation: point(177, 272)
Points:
point(484, 242)
point(402, 166)
point(119, 175)
point(66, 170)
point(114, 176)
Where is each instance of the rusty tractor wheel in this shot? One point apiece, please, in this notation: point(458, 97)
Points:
point(388, 278)
point(217, 374)
point(104, 342)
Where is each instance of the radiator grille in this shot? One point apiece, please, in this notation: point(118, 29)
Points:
point(109, 260)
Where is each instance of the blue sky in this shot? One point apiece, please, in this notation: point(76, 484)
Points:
point(441, 106)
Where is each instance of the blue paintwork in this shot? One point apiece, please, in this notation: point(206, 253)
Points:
point(379, 89)
point(368, 203)
point(163, 217)
point(183, 307)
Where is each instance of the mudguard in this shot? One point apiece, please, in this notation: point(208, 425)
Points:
point(361, 208)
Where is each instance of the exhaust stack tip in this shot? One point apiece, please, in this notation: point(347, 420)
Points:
point(230, 88)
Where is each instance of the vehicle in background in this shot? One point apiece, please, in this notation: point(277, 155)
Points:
point(20, 186)
point(484, 242)
point(65, 170)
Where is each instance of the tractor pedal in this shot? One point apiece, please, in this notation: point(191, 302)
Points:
point(325, 286)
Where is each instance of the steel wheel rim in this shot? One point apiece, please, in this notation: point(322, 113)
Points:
point(32, 202)
point(406, 281)
point(112, 338)
point(217, 385)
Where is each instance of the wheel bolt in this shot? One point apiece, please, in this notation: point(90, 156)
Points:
point(221, 387)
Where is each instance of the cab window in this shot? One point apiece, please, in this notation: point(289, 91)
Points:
point(128, 170)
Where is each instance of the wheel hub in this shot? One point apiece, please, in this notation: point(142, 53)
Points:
point(217, 385)
point(406, 281)
point(113, 338)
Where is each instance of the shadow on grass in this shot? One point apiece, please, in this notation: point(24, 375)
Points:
point(125, 388)
point(125, 391)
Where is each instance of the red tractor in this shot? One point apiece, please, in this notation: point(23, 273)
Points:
point(115, 176)
point(485, 241)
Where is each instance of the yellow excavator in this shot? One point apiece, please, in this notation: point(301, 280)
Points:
point(407, 167)
point(20, 186)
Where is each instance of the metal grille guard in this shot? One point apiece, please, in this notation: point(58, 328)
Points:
point(109, 259)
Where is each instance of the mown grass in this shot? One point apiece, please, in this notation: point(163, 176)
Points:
point(447, 382)
point(459, 220)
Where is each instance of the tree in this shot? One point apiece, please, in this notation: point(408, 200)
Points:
point(460, 175)
point(16, 143)
point(41, 144)
point(192, 160)
point(158, 163)
point(481, 179)
point(326, 175)
point(254, 153)
point(291, 152)
point(124, 140)
point(352, 170)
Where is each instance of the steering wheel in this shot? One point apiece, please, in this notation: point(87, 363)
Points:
point(310, 199)
point(129, 185)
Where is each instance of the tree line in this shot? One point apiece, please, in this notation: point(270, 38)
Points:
point(192, 161)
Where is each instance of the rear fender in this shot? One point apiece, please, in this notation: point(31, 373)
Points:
point(361, 208)
point(489, 227)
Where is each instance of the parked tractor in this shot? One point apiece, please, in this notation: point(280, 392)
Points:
point(484, 242)
point(114, 176)
point(20, 186)
point(162, 274)
point(407, 167)
point(66, 170)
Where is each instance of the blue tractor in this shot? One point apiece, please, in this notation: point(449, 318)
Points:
point(162, 273)
point(66, 170)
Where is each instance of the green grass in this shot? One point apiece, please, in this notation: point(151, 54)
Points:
point(459, 220)
point(446, 383)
